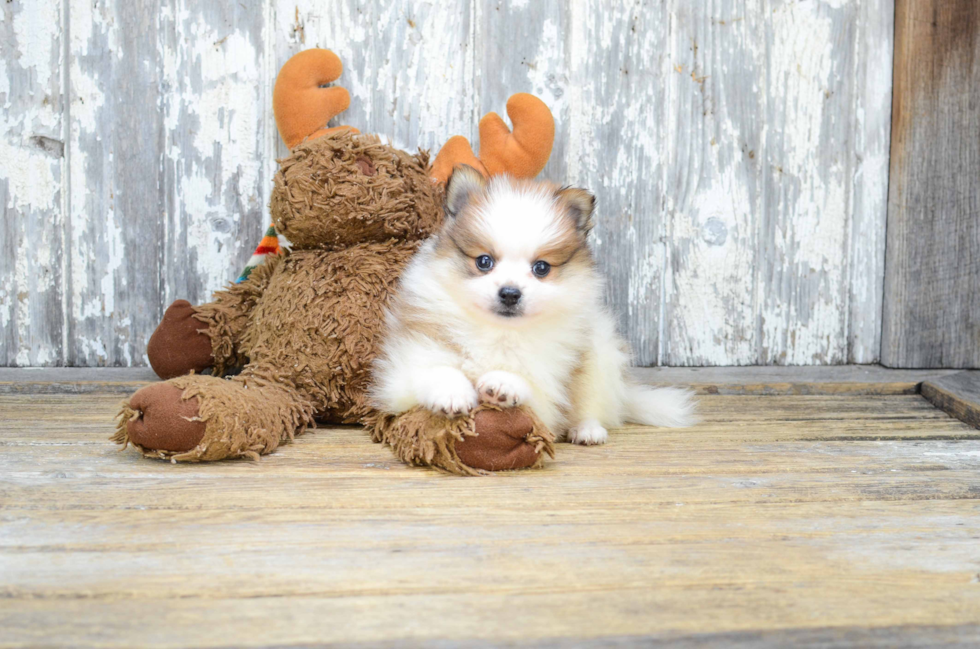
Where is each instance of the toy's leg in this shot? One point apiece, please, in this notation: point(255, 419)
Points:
point(180, 343)
point(489, 439)
point(195, 338)
point(203, 418)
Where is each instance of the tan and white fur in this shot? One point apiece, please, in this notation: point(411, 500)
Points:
point(504, 305)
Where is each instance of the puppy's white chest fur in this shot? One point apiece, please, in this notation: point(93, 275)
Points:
point(515, 352)
point(545, 360)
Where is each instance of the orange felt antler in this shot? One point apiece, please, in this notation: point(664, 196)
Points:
point(302, 108)
point(522, 153)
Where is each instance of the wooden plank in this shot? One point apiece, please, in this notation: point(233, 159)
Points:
point(957, 394)
point(117, 143)
point(32, 214)
point(799, 448)
point(706, 536)
point(410, 68)
point(659, 107)
point(534, 36)
point(74, 379)
point(219, 158)
point(25, 409)
point(773, 380)
point(806, 164)
point(778, 460)
point(143, 531)
point(932, 306)
point(763, 380)
point(549, 618)
point(168, 164)
point(868, 170)
point(762, 268)
point(616, 108)
point(714, 183)
point(358, 561)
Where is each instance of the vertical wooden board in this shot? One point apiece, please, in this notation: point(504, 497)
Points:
point(715, 184)
point(802, 276)
point(117, 194)
point(616, 143)
point(764, 266)
point(659, 107)
point(215, 168)
point(409, 66)
point(32, 155)
point(872, 62)
point(932, 270)
point(534, 37)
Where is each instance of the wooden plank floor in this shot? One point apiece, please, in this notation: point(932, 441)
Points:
point(807, 520)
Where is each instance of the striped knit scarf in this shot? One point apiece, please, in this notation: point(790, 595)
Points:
point(270, 245)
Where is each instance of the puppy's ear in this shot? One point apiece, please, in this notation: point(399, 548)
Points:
point(464, 183)
point(578, 204)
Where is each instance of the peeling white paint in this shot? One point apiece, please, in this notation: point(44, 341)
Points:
point(33, 179)
point(35, 45)
point(713, 286)
point(810, 184)
point(740, 166)
point(4, 83)
point(217, 77)
point(30, 180)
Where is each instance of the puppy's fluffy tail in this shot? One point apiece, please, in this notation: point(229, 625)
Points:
point(667, 407)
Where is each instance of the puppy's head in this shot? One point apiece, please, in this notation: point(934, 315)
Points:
point(518, 247)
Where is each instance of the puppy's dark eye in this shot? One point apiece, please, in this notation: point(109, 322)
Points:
point(540, 268)
point(484, 263)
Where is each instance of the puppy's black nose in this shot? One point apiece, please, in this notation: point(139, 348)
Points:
point(510, 295)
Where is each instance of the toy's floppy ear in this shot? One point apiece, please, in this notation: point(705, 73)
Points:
point(522, 153)
point(578, 204)
point(464, 183)
point(301, 106)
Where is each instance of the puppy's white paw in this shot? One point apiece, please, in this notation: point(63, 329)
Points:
point(503, 389)
point(589, 433)
point(450, 394)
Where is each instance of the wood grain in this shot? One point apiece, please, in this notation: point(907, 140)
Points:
point(714, 184)
point(32, 194)
point(868, 163)
point(957, 394)
point(767, 523)
point(219, 155)
point(409, 66)
point(617, 148)
point(169, 167)
point(737, 149)
point(771, 102)
point(782, 380)
point(116, 148)
point(932, 306)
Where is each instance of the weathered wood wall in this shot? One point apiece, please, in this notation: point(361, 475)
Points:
point(932, 283)
point(738, 148)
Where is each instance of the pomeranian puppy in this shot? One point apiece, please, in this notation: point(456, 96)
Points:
point(504, 305)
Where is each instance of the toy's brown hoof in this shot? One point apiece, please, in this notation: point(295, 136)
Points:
point(178, 346)
point(500, 443)
point(164, 421)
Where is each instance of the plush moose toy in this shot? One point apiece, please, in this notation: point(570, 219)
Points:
point(304, 326)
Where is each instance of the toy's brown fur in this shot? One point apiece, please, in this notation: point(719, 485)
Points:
point(308, 322)
point(425, 438)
